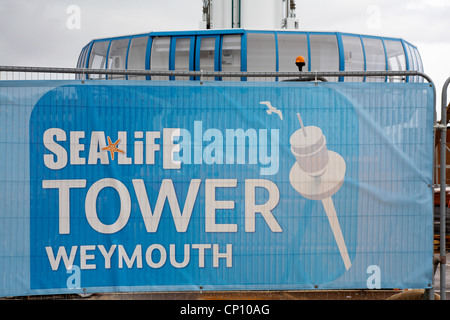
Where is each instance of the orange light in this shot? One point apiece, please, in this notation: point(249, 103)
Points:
point(299, 59)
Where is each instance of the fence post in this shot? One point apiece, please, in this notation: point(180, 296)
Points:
point(442, 177)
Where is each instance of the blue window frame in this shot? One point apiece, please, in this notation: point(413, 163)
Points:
point(374, 56)
point(324, 52)
point(159, 57)
point(352, 54)
point(137, 55)
point(411, 63)
point(80, 57)
point(419, 61)
point(261, 52)
point(182, 55)
point(98, 56)
point(341, 55)
point(148, 54)
point(243, 50)
point(233, 53)
point(118, 55)
point(207, 53)
point(227, 50)
point(82, 60)
point(85, 62)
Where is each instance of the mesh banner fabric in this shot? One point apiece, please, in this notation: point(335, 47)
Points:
point(113, 186)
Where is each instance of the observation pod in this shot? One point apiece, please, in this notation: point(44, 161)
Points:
point(251, 50)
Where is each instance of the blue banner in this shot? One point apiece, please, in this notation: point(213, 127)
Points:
point(151, 186)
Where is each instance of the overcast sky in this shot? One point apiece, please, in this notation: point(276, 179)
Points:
point(42, 33)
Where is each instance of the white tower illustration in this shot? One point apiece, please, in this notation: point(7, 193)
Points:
point(317, 175)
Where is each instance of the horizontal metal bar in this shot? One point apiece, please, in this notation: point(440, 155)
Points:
point(440, 127)
point(246, 74)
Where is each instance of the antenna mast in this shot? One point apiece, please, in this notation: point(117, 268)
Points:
point(206, 22)
point(256, 14)
point(290, 21)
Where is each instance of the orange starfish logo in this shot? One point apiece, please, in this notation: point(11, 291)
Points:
point(112, 148)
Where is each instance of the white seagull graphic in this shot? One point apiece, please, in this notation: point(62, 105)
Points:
point(272, 109)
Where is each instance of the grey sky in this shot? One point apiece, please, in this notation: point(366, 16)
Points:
point(34, 32)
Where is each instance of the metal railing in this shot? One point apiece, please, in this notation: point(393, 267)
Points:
point(203, 75)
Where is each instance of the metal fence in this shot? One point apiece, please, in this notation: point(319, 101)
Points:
point(12, 73)
point(43, 73)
